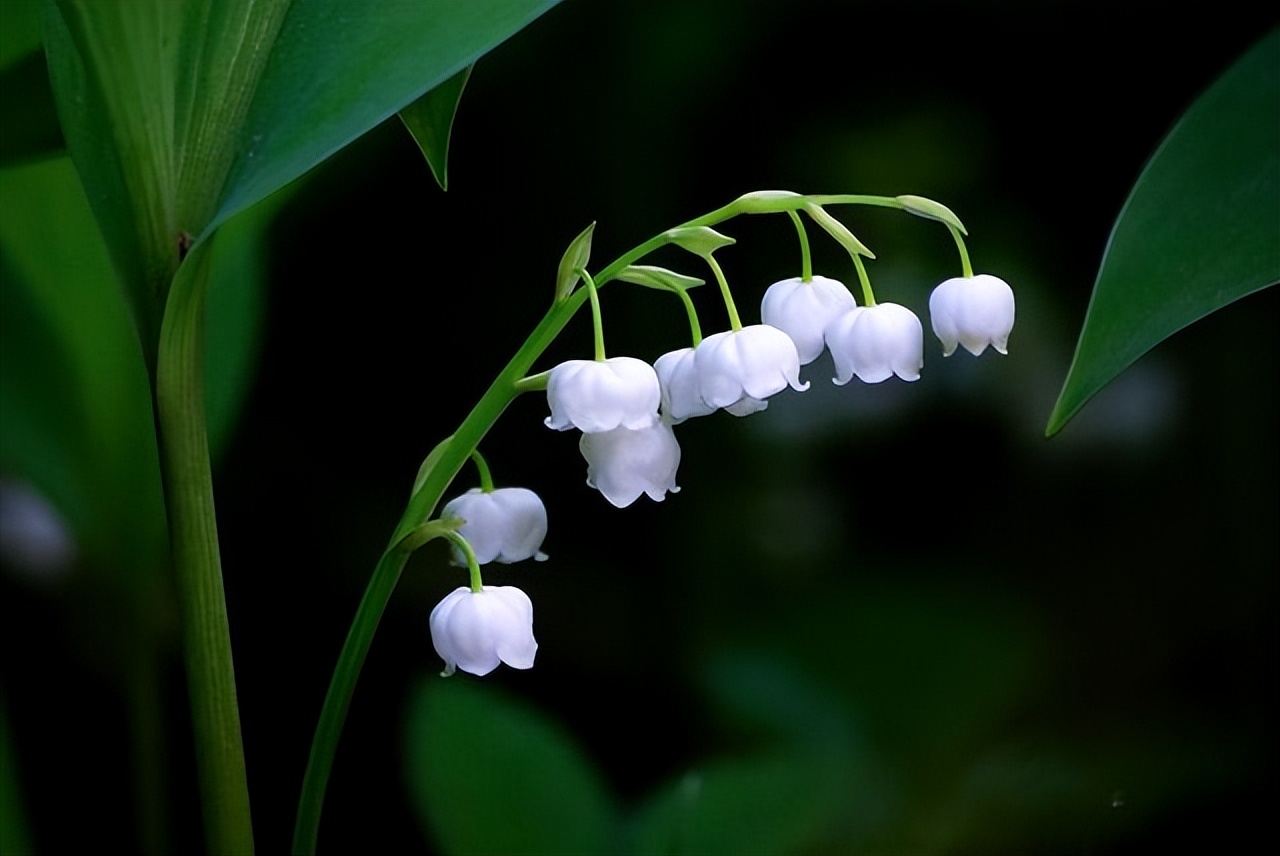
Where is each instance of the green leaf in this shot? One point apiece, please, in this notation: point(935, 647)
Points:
point(1201, 228)
point(575, 258)
point(657, 277)
point(488, 774)
point(771, 805)
point(339, 69)
point(180, 115)
point(73, 388)
point(430, 121)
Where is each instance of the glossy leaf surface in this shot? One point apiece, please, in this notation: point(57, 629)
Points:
point(1201, 228)
point(180, 115)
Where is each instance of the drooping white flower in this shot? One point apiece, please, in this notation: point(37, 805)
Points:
point(504, 525)
point(752, 363)
point(803, 310)
point(973, 311)
point(474, 631)
point(624, 463)
point(600, 395)
point(678, 376)
point(875, 343)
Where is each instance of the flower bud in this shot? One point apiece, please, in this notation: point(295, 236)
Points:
point(972, 311)
point(474, 631)
point(504, 525)
point(875, 343)
point(600, 395)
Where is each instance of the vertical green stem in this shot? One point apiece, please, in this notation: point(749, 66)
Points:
point(597, 323)
point(735, 323)
point(193, 534)
point(695, 329)
point(964, 252)
point(806, 263)
point(868, 297)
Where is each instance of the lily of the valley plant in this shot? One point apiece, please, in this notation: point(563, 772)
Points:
point(626, 409)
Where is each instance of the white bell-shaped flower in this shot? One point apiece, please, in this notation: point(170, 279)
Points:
point(600, 395)
point(678, 376)
point(875, 343)
point(803, 310)
point(504, 525)
point(973, 311)
point(624, 463)
point(474, 631)
point(751, 363)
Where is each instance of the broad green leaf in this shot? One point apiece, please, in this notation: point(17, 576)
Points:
point(180, 115)
point(73, 388)
point(658, 277)
point(430, 121)
point(72, 382)
point(1201, 228)
point(772, 805)
point(575, 258)
point(488, 774)
point(152, 97)
point(338, 69)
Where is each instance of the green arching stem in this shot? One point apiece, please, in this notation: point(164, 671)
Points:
point(193, 542)
point(806, 263)
point(964, 252)
point(482, 467)
point(734, 322)
point(596, 323)
point(511, 381)
point(694, 327)
point(477, 584)
point(869, 299)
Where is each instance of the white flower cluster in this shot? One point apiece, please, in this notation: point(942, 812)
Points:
point(626, 408)
point(877, 342)
point(475, 630)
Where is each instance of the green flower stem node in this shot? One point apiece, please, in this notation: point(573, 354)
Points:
point(927, 208)
point(765, 201)
point(534, 382)
point(699, 240)
point(574, 259)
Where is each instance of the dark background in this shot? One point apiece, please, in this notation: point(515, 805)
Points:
point(1054, 646)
